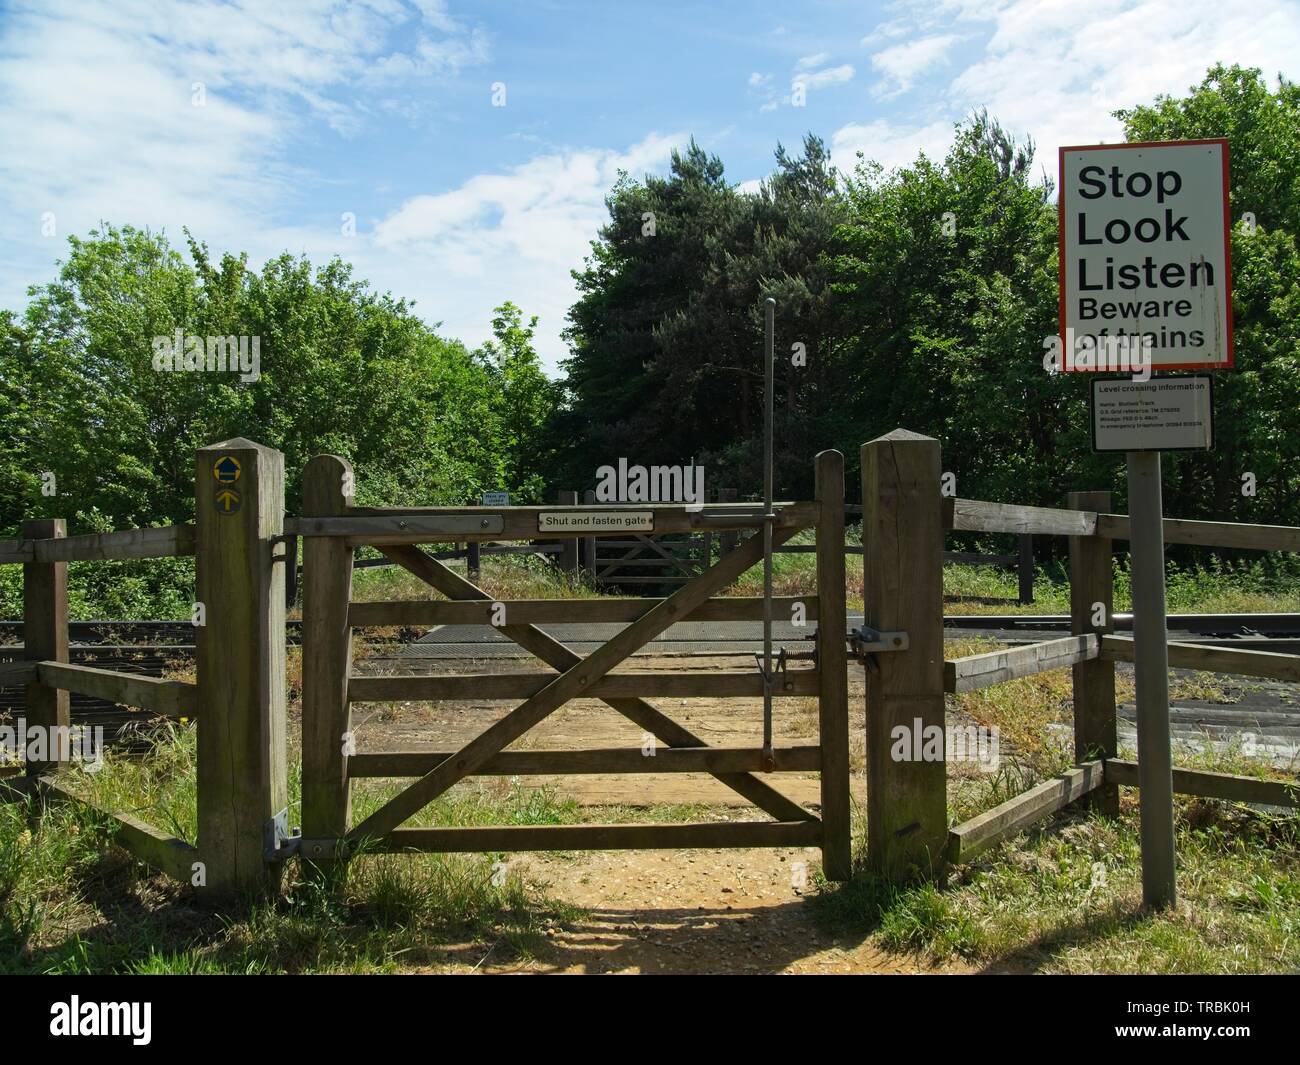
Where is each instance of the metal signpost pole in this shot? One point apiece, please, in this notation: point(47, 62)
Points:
point(769, 378)
point(1151, 666)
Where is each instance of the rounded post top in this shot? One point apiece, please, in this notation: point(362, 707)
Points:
point(327, 485)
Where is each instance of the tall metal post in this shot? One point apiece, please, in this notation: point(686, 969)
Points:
point(769, 516)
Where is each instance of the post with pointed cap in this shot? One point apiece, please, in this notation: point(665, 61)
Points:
point(902, 539)
point(242, 784)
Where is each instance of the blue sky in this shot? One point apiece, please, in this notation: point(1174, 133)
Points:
point(383, 110)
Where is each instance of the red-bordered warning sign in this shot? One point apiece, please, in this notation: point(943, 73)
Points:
point(1145, 256)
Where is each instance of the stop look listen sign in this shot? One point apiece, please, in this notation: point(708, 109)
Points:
point(1145, 256)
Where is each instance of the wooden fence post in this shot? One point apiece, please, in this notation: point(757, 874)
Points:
point(1092, 594)
point(832, 667)
point(1025, 568)
point(327, 489)
point(474, 560)
point(902, 535)
point(45, 639)
point(242, 781)
point(568, 556)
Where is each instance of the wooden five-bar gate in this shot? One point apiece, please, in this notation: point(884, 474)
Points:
point(333, 526)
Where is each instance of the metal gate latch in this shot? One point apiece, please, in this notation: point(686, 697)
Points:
point(778, 667)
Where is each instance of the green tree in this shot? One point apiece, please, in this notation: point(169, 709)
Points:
point(947, 272)
point(523, 400)
point(343, 370)
point(667, 332)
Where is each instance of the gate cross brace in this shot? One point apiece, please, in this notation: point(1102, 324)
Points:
point(579, 673)
point(682, 564)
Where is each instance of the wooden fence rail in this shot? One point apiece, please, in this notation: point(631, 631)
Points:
point(170, 541)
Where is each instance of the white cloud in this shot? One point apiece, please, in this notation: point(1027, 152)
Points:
point(819, 79)
point(903, 63)
point(886, 31)
point(1056, 71)
point(100, 97)
point(514, 235)
point(808, 62)
point(891, 146)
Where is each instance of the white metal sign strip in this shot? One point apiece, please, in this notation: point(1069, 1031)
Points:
point(569, 521)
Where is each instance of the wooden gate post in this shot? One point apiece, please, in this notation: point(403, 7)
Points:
point(832, 668)
point(326, 658)
point(45, 639)
point(242, 782)
point(1092, 592)
point(902, 537)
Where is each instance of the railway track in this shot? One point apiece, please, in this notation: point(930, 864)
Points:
point(154, 647)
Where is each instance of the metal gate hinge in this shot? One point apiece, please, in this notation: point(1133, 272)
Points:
point(278, 842)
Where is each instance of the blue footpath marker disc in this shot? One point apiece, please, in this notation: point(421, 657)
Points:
point(226, 469)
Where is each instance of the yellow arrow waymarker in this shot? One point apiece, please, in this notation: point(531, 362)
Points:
point(228, 501)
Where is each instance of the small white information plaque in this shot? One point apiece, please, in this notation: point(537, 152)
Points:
point(1162, 414)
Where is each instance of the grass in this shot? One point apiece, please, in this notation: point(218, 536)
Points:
point(1066, 898)
point(1062, 897)
point(70, 902)
point(503, 577)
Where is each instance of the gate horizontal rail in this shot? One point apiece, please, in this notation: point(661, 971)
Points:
point(377, 525)
point(599, 760)
point(716, 685)
point(591, 837)
point(567, 611)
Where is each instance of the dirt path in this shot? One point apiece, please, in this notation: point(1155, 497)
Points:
point(728, 912)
